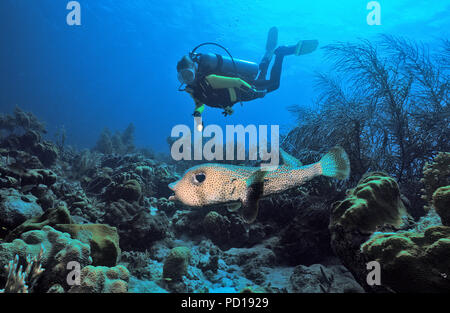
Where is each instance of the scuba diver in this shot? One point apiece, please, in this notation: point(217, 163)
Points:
point(221, 81)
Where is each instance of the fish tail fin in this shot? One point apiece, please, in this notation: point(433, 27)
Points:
point(335, 163)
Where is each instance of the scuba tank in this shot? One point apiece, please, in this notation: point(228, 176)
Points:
point(209, 63)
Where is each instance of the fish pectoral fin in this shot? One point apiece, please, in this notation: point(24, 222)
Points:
point(289, 160)
point(250, 211)
point(255, 190)
point(256, 178)
point(232, 207)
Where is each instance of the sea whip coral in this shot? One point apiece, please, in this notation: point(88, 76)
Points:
point(19, 281)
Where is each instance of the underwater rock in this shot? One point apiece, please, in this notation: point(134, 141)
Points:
point(143, 230)
point(144, 286)
point(176, 263)
point(103, 240)
point(412, 262)
point(130, 190)
point(56, 288)
point(19, 158)
point(374, 202)
point(31, 142)
point(435, 174)
point(100, 279)
point(163, 204)
point(306, 239)
point(137, 264)
point(188, 222)
point(21, 119)
point(51, 217)
point(280, 209)
point(46, 152)
point(441, 202)
point(59, 249)
point(119, 212)
point(226, 232)
point(98, 184)
point(162, 177)
point(16, 208)
point(255, 262)
point(257, 232)
point(25, 177)
point(205, 255)
point(46, 197)
point(323, 279)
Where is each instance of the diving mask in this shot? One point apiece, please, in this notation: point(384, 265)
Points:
point(186, 76)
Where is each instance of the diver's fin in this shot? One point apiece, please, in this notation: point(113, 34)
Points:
point(232, 207)
point(306, 46)
point(255, 189)
point(289, 160)
point(271, 44)
point(272, 39)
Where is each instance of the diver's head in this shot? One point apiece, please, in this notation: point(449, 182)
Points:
point(186, 70)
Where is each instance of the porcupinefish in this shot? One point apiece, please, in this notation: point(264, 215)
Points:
point(241, 187)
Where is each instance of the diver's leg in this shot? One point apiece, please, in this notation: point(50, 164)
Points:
point(275, 74)
point(271, 44)
point(302, 47)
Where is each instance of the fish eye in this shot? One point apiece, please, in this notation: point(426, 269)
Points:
point(199, 178)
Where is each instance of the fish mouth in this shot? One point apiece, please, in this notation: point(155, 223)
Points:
point(172, 198)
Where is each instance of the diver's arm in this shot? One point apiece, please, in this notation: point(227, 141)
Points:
point(219, 82)
point(199, 108)
point(246, 91)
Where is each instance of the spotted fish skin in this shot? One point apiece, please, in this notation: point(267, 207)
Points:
point(212, 183)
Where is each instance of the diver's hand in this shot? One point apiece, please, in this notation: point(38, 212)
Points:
point(227, 111)
point(260, 93)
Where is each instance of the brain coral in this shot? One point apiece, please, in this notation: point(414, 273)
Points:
point(59, 249)
point(176, 263)
point(413, 262)
point(373, 202)
point(100, 279)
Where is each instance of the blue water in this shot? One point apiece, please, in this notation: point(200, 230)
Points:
point(119, 65)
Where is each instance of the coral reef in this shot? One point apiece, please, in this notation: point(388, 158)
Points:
point(412, 262)
point(225, 231)
point(102, 239)
point(108, 209)
point(441, 203)
point(176, 263)
point(51, 217)
point(435, 174)
point(100, 279)
point(412, 259)
point(327, 279)
point(58, 250)
point(375, 201)
point(119, 143)
point(19, 281)
point(16, 208)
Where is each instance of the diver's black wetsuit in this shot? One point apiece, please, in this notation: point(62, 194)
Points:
point(204, 93)
point(275, 74)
